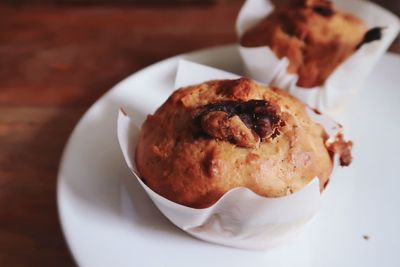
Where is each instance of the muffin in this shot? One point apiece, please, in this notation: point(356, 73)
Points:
point(209, 138)
point(313, 35)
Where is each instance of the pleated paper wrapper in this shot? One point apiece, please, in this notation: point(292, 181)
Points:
point(345, 82)
point(240, 218)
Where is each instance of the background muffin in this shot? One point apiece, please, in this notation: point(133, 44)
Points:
point(219, 135)
point(313, 35)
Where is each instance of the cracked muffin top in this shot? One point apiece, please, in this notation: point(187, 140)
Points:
point(209, 138)
point(313, 35)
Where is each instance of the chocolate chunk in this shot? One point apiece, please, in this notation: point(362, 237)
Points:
point(242, 123)
point(264, 127)
point(345, 158)
point(287, 26)
point(325, 10)
point(373, 34)
point(321, 7)
point(316, 111)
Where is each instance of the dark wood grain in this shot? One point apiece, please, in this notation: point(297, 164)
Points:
point(55, 61)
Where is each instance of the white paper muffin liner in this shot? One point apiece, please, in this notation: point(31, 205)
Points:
point(262, 65)
point(240, 218)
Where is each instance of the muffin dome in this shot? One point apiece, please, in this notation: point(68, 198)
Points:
point(209, 138)
point(313, 35)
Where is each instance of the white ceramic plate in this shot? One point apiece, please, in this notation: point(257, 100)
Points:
point(109, 221)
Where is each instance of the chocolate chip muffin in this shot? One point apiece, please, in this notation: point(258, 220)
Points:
point(314, 36)
point(209, 138)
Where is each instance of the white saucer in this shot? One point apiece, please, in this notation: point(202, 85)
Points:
point(106, 226)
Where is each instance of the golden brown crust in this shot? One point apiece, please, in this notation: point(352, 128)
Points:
point(193, 166)
point(314, 36)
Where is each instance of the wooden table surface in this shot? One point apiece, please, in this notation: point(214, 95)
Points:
point(55, 61)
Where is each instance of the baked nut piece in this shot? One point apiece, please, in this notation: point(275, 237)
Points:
point(209, 138)
point(313, 35)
